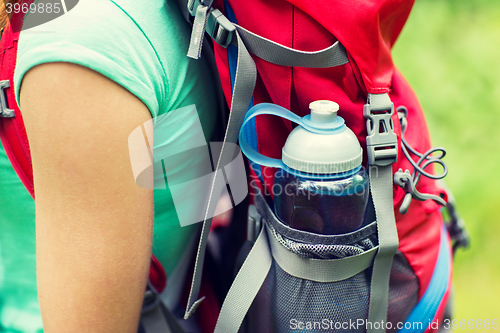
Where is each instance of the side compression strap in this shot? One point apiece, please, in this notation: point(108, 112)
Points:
point(320, 270)
point(224, 32)
point(381, 190)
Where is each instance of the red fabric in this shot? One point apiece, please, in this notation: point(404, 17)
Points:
point(208, 310)
point(367, 31)
point(12, 131)
point(157, 275)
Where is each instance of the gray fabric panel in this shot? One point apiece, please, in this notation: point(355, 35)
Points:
point(320, 270)
point(275, 53)
point(171, 296)
point(246, 74)
point(381, 189)
point(245, 287)
point(154, 321)
point(172, 322)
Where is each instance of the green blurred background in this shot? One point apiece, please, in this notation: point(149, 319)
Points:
point(449, 51)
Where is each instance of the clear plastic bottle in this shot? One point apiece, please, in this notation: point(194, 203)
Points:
point(326, 206)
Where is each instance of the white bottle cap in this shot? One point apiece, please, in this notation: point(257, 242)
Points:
point(332, 152)
point(323, 111)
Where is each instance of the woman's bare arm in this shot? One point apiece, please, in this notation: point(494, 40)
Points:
point(93, 223)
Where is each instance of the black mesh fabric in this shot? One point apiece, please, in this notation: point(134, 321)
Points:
point(403, 291)
point(285, 300)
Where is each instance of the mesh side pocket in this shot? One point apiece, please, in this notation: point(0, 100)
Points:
point(286, 302)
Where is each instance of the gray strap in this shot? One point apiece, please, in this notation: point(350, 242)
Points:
point(246, 74)
point(245, 286)
point(154, 322)
point(381, 189)
point(320, 270)
point(379, 102)
point(275, 53)
point(198, 32)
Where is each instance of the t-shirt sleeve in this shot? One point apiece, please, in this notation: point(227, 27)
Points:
point(99, 35)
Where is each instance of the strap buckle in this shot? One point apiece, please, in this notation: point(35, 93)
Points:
point(5, 112)
point(218, 26)
point(381, 141)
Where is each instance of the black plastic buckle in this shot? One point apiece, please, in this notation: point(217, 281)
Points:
point(5, 112)
point(456, 226)
point(220, 28)
point(381, 141)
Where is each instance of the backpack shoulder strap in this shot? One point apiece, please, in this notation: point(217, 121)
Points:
point(12, 130)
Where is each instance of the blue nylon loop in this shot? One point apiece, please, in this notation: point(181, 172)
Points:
point(276, 110)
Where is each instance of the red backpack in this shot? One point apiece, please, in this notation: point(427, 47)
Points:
point(293, 52)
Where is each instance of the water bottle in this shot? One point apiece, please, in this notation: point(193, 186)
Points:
point(320, 185)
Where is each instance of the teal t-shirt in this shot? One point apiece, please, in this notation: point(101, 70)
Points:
point(142, 46)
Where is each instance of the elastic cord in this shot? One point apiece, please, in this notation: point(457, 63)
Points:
point(424, 159)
